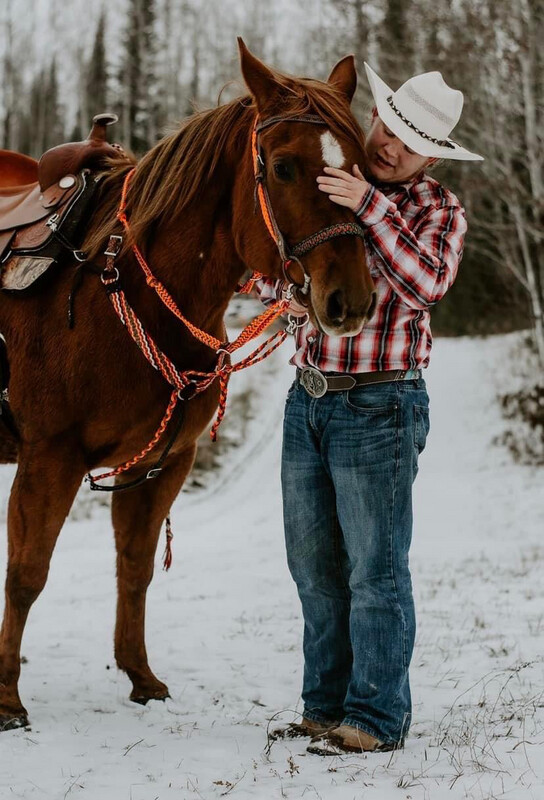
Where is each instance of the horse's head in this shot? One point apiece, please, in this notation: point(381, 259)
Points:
point(291, 156)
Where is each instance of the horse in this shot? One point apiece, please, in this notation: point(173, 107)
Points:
point(83, 397)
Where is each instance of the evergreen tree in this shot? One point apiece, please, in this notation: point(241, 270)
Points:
point(8, 75)
point(396, 42)
point(96, 84)
point(53, 126)
point(140, 109)
point(35, 123)
point(40, 123)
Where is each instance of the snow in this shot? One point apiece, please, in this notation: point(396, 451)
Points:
point(224, 628)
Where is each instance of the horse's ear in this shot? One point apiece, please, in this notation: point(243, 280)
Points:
point(259, 79)
point(344, 76)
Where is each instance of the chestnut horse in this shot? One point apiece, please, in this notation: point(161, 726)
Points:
point(86, 397)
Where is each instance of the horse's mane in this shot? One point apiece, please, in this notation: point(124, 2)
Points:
point(174, 172)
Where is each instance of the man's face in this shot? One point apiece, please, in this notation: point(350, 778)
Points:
point(389, 159)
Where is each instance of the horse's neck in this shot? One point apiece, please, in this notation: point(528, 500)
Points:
point(197, 254)
point(195, 258)
point(198, 262)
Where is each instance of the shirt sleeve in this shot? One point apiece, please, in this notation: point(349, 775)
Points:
point(420, 269)
point(269, 290)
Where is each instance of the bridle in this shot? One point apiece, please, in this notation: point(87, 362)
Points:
point(293, 254)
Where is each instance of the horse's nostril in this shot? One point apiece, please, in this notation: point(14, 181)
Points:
point(335, 306)
point(372, 306)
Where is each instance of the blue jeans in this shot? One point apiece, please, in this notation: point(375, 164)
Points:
point(349, 462)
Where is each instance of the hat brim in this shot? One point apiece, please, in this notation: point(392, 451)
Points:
point(423, 147)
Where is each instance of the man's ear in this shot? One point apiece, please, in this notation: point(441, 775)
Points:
point(259, 79)
point(344, 76)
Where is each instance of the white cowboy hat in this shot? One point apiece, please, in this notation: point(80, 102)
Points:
point(422, 113)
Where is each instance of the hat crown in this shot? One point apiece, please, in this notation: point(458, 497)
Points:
point(429, 104)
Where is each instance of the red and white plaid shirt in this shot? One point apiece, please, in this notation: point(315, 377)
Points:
point(414, 235)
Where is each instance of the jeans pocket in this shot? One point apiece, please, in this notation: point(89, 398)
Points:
point(372, 400)
point(421, 427)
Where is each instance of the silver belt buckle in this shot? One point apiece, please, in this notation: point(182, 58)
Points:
point(313, 381)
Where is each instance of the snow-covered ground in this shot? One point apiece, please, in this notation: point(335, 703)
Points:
point(224, 628)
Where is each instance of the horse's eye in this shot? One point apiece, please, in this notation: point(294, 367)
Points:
point(284, 170)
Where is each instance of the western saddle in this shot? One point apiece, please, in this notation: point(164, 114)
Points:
point(42, 202)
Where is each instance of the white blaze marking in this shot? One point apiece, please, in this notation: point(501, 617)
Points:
point(332, 152)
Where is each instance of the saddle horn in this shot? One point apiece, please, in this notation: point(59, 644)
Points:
point(70, 158)
point(100, 123)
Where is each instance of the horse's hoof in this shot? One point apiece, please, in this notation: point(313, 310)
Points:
point(11, 723)
point(143, 699)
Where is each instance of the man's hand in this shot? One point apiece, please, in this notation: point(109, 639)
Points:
point(343, 188)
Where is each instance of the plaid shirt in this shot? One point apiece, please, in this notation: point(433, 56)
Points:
point(414, 235)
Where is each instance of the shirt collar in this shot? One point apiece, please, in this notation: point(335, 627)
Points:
point(393, 188)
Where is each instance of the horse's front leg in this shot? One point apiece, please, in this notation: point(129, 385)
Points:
point(137, 518)
point(44, 488)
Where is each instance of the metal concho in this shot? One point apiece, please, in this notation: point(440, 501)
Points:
point(313, 381)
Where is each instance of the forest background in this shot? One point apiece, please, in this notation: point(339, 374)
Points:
point(150, 61)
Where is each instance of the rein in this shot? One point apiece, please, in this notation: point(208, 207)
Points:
point(193, 380)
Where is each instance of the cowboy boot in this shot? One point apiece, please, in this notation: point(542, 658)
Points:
point(297, 730)
point(347, 739)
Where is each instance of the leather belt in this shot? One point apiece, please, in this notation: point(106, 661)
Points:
point(319, 383)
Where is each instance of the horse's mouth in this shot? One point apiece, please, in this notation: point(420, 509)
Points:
point(344, 320)
point(337, 330)
point(348, 328)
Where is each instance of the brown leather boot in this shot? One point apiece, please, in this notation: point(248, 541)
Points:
point(297, 730)
point(347, 739)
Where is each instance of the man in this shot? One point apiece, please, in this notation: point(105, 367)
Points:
point(350, 456)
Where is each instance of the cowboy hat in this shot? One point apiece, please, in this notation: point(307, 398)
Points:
point(422, 113)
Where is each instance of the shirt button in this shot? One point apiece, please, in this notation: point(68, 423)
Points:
point(311, 339)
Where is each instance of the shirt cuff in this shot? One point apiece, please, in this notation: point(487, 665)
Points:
point(374, 207)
